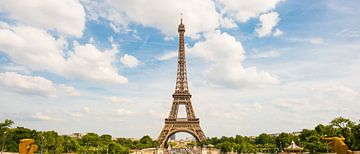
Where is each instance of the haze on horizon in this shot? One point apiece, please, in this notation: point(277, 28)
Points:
point(265, 66)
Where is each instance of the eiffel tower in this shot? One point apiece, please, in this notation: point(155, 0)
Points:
point(181, 96)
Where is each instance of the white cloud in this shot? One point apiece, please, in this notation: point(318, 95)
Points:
point(28, 84)
point(32, 47)
point(236, 111)
point(129, 61)
point(293, 104)
point(123, 112)
point(168, 55)
point(227, 23)
point(38, 50)
point(227, 114)
point(97, 113)
point(42, 116)
point(99, 9)
point(265, 54)
point(86, 109)
point(150, 13)
point(243, 10)
point(120, 100)
point(15, 68)
point(75, 114)
point(68, 90)
point(348, 33)
point(65, 16)
point(157, 114)
point(4, 25)
point(34, 85)
point(316, 41)
point(87, 62)
point(258, 107)
point(321, 100)
point(268, 22)
point(278, 32)
point(312, 40)
point(225, 55)
point(334, 90)
point(91, 40)
point(219, 13)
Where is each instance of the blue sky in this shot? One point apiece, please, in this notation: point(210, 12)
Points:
point(110, 67)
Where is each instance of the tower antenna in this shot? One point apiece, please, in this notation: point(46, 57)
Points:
point(181, 17)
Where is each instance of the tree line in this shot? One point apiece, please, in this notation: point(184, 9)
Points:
point(309, 139)
point(50, 142)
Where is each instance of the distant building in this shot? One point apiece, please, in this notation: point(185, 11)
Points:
point(173, 137)
point(76, 135)
point(296, 133)
point(134, 139)
point(274, 135)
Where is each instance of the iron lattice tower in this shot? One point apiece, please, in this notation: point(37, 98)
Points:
point(181, 96)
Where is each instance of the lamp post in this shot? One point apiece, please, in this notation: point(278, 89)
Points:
point(4, 138)
point(67, 146)
point(299, 142)
point(280, 146)
point(107, 148)
point(327, 145)
point(87, 147)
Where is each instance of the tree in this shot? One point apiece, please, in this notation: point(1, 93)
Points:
point(229, 139)
point(90, 139)
point(325, 130)
point(125, 142)
point(15, 135)
point(341, 123)
point(53, 143)
point(5, 125)
point(356, 137)
point(105, 139)
point(306, 133)
point(239, 139)
point(4, 131)
point(213, 141)
point(148, 142)
point(264, 139)
point(146, 139)
point(115, 148)
point(226, 146)
point(70, 144)
point(283, 140)
point(314, 144)
point(343, 127)
point(244, 147)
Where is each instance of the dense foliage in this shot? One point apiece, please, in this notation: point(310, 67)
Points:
point(52, 142)
point(309, 139)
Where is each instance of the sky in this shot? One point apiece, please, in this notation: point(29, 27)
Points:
point(260, 66)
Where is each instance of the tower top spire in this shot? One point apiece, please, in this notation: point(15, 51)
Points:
point(181, 27)
point(181, 80)
point(181, 18)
